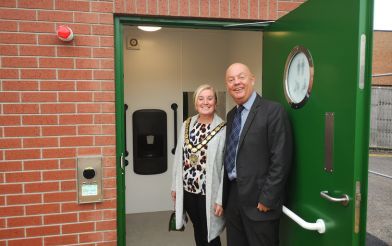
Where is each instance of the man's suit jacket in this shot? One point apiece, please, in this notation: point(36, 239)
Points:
point(263, 159)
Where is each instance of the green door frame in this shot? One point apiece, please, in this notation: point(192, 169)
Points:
point(119, 22)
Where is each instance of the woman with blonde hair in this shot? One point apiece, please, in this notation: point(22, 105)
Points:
point(198, 169)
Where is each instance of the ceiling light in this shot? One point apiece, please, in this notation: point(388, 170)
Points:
point(149, 28)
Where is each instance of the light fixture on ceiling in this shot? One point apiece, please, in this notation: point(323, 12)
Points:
point(149, 28)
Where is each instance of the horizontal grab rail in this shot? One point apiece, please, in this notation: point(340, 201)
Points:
point(381, 75)
point(319, 225)
point(380, 174)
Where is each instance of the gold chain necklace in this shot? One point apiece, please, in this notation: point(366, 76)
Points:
point(194, 149)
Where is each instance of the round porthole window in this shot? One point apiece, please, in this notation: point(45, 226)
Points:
point(298, 76)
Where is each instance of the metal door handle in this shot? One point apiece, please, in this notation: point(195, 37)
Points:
point(122, 161)
point(319, 225)
point(344, 199)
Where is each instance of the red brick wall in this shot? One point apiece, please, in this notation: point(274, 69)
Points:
point(236, 9)
point(382, 57)
point(57, 103)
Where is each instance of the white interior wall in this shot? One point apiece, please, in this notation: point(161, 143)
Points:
point(151, 81)
point(169, 62)
point(246, 47)
point(204, 56)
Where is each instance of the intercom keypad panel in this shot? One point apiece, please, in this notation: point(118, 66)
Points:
point(90, 179)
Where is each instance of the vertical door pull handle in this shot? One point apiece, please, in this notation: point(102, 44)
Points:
point(126, 153)
point(344, 199)
point(174, 106)
point(122, 158)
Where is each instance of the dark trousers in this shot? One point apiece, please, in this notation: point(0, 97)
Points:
point(195, 206)
point(241, 230)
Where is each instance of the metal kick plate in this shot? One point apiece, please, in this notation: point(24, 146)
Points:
point(329, 133)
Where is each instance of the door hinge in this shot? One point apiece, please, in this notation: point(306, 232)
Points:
point(357, 206)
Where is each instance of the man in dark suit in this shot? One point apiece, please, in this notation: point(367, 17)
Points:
point(257, 162)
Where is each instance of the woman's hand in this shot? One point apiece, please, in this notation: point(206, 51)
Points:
point(218, 209)
point(173, 195)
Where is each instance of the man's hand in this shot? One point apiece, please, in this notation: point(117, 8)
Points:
point(262, 208)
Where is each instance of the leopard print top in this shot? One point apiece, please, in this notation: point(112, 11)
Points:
point(194, 174)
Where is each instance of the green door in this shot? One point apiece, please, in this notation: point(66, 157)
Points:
point(331, 128)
